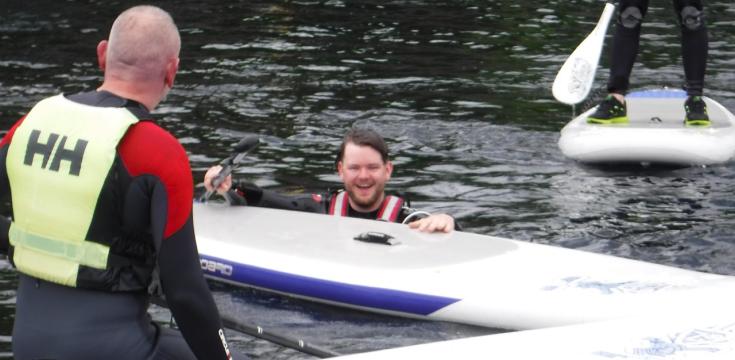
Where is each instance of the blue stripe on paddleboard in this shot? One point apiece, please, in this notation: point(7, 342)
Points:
point(364, 296)
point(658, 94)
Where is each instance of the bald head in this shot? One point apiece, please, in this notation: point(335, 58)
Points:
point(143, 39)
point(141, 57)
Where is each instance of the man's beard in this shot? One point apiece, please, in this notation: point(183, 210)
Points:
point(370, 201)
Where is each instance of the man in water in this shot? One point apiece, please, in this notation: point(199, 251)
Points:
point(102, 200)
point(364, 167)
point(694, 45)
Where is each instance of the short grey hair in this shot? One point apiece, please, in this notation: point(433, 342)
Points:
point(142, 40)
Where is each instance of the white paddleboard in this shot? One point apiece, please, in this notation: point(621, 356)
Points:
point(703, 329)
point(459, 277)
point(656, 134)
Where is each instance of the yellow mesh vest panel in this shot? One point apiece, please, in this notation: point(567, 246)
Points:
point(57, 163)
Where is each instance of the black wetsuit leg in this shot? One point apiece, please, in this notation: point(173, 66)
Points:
point(97, 325)
point(625, 44)
point(694, 48)
point(170, 345)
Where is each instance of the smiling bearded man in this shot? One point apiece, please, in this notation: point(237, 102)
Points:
point(364, 167)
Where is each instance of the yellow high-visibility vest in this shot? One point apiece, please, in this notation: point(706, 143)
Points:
point(57, 163)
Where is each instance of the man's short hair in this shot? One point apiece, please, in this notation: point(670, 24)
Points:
point(143, 39)
point(364, 137)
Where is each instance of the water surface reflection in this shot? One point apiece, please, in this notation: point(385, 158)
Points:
point(461, 91)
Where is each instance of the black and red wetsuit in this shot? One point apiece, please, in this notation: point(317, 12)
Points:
point(145, 212)
point(248, 194)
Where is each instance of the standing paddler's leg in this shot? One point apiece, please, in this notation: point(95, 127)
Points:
point(624, 50)
point(625, 44)
point(694, 49)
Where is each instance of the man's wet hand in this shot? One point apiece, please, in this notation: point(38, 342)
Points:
point(211, 175)
point(434, 223)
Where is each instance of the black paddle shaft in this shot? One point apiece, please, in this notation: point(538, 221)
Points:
point(242, 148)
point(283, 340)
point(260, 333)
point(229, 163)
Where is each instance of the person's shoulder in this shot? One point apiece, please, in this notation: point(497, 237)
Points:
point(149, 128)
point(148, 147)
point(148, 135)
point(9, 135)
point(401, 195)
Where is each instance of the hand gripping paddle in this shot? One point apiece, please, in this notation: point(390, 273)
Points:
point(242, 148)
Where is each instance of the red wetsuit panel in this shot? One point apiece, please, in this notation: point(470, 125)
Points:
point(147, 149)
point(9, 136)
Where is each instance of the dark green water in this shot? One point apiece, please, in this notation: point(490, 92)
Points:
point(460, 89)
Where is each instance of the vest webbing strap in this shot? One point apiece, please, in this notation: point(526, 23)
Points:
point(84, 253)
point(390, 208)
point(339, 204)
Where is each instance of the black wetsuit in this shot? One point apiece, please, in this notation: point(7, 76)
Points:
point(248, 194)
point(147, 201)
point(694, 44)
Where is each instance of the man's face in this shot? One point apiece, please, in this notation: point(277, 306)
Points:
point(364, 175)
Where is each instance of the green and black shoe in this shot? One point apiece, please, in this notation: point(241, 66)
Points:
point(696, 110)
point(610, 111)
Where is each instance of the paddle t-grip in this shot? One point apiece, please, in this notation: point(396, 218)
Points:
point(246, 144)
point(241, 149)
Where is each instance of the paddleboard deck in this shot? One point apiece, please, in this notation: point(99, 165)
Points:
point(459, 277)
point(656, 134)
point(703, 330)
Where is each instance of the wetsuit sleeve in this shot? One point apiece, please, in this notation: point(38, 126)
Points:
point(5, 186)
point(187, 293)
point(255, 196)
point(457, 226)
point(150, 152)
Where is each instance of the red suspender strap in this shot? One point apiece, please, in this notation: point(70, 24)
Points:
point(390, 208)
point(338, 205)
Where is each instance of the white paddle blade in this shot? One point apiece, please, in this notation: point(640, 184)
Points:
point(574, 80)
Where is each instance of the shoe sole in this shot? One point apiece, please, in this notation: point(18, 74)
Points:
point(615, 120)
point(697, 123)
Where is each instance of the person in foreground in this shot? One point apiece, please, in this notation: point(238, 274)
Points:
point(694, 47)
point(101, 203)
point(364, 167)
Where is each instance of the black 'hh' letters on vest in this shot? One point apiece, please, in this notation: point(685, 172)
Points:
point(74, 156)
